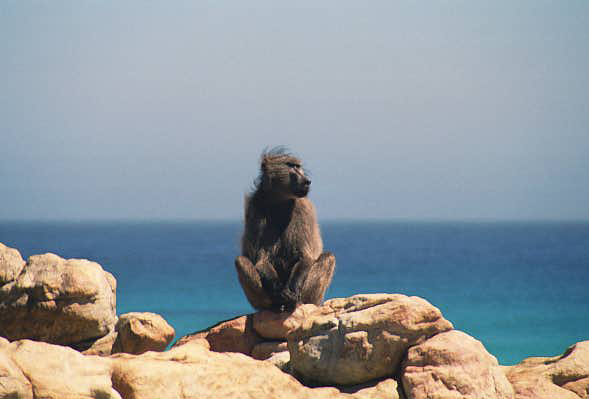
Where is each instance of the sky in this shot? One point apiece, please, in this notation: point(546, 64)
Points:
point(442, 110)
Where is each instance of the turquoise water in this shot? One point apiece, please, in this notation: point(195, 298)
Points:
point(520, 288)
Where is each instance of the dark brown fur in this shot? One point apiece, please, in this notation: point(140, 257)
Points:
point(282, 262)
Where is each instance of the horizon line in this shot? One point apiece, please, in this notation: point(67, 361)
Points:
point(321, 221)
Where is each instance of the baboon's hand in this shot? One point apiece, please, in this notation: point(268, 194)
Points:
point(270, 284)
point(288, 299)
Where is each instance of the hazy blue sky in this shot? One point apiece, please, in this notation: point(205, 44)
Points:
point(400, 109)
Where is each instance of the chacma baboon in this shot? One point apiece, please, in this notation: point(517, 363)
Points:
point(282, 262)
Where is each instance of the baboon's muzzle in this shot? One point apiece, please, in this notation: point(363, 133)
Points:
point(302, 186)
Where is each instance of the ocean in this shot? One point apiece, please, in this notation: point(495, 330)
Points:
point(520, 288)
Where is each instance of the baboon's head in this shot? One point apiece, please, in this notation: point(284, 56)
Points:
point(282, 175)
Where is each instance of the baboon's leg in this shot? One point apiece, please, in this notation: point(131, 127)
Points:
point(257, 281)
point(318, 279)
point(309, 280)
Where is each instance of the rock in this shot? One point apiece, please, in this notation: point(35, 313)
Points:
point(385, 389)
point(235, 335)
point(57, 372)
point(13, 383)
point(353, 340)
point(142, 332)
point(11, 264)
point(453, 365)
point(67, 302)
point(563, 377)
point(580, 387)
point(281, 360)
point(276, 325)
point(265, 350)
point(274, 352)
point(102, 346)
point(191, 371)
point(135, 333)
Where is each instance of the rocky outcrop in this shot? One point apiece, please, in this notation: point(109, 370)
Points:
point(449, 365)
point(563, 377)
point(346, 341)
point(453, 365)
point(51, 299)
point(71, 302)
point(185, 372)
point(358, 339)
point(368, 346)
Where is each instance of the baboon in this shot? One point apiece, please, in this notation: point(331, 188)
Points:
point(282, 263)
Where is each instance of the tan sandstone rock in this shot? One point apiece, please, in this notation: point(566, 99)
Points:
point(579, 387)
point(142, 332)
point(60, 301)
point(385, 389)
point(453, 365)
point(265, 350)
point(102, 346)
point(57, 372)
point(353, 340)
point(235, 335)
point(11, 264)
point(563, 377)
point(189, 371)
point(277, 325)
point(135, 333)
point(281, 360)
point(13, 383)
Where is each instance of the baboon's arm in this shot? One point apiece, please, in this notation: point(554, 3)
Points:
point(259, 282)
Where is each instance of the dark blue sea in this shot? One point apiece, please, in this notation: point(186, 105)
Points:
point(520, 288)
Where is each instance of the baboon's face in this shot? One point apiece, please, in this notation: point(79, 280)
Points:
point(287, 177)
point(299, 183)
